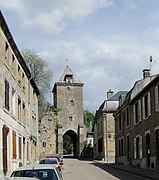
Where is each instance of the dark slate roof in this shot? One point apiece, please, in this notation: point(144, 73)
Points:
point(141, 84)
point(112, 103)
point(116, 96)
point(68, 71)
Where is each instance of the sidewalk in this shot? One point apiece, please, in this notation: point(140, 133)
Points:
point(138, 171)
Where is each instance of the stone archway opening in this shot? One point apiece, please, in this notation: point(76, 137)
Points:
point(70, 144)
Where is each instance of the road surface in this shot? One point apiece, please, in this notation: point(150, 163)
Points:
point(74, 169)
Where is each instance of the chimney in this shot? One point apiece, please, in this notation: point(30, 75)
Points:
point(146, 73)
point(109, 93)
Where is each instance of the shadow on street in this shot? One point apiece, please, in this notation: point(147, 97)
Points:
point(120, 174)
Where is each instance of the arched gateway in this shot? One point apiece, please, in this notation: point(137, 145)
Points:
point(68, 96)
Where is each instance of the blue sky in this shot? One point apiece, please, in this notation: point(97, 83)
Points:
point(107, 42)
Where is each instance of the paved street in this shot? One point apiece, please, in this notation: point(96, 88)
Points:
point(74, 169)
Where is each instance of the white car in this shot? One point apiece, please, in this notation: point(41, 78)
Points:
point(17, 178)
point(39, 171)
point(53, 161)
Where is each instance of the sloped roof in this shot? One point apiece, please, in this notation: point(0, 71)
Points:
point(112, 103)
point(116, 96)
point(68, 71)
point(140, 85)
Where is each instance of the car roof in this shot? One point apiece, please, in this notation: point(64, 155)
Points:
point(18, 178)
point(51, 158)
point(36, 166)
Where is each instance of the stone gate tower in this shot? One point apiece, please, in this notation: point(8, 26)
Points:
point(68, 95)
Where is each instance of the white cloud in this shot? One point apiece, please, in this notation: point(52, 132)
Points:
point(109, 54)
point(78, 9)
point(50, 16)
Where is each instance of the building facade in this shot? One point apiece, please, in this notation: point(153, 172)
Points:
point(137, 125)
point(18, 106)
point(47, 134)
point(104, 128)
point(68, 96)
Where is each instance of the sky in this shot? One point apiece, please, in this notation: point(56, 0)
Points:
point(107, 42)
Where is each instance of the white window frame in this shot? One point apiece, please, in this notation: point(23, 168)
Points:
point(157, 98)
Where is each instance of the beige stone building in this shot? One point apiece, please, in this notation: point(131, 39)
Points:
point(104, 128)
point(18, 106)
point(68, 96)
point(47, 135)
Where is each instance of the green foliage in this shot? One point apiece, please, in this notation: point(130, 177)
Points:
point(56, 111)
point(39, 71)
point(67, 145)
point(88, 118)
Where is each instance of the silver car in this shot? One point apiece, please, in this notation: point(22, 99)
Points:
point(39, 171)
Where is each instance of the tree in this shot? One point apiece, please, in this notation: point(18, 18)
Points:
point(39, 71)
point(88, 118)
point(67, 145)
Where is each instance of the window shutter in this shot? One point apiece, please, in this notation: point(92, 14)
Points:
point(20, 148)
point(134, 148)
point(14, 144)
point(28, 151)
point(140, 146)
point(149, 104)
point(156, 98)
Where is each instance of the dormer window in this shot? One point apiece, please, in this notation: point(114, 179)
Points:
point(68, 78)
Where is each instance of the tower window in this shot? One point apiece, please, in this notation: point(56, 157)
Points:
point(72, 103)
point(68, 78)
point(70, 118)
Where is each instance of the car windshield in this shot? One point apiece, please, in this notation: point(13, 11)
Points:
point(48, 161)
point(42, 174)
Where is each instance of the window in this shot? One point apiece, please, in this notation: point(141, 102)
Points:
point(68, 78)
point(68, 88)
point(13, 102)
point(137, 112)
point(157, 98)
point(23, 113)
point(20, 148)
point(13, 58)
point(120, 145)
point(127, 117)
point(19, 109)
point(146, 104)
point(72, 103)
point(120, 123)
point(128, 146)
point(18, 68)
point(6, 48)
point(70, 118)
point(44, 144)
point(27, 151)
point(14, 145)
point(6, 94)
point(138, 147)
point(98, 129)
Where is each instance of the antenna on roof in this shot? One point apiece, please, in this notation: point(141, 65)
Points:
point(66, 61)
point(150, 62)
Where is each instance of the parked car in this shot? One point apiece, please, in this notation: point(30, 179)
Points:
point(53, 161)
point(39, 171)
point(58, 156)
point(17, 178)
